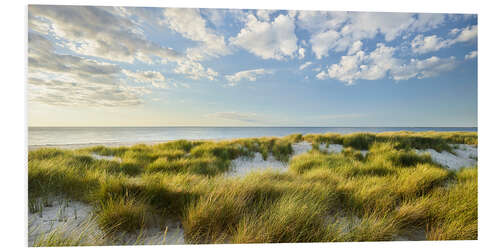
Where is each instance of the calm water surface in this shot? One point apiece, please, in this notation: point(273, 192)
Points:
point(85, 136)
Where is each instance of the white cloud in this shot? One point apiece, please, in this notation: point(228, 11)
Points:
point(190, 24)
point(99, 32)
point(430, 67)
point(318, 21)
point(195, 70)
point(381, 62)
point(370, 66)
point(265, 15)
point(305, 65)
point(154, 78)
point(427, 21)
point(215, 16)
point(302, 53)
point(76, 93)
point(467, 34)
point(268, 40)
point(235, 116)
point(421, 44)
point(322, 75)
point(471, 55)
point(68, 80)
point(110, 33)
point(322, 42)
point(338, 31)
point(356, 46)
point(249, 75)
point(454, 31)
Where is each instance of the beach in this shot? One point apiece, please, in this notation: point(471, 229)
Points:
point(326, 187)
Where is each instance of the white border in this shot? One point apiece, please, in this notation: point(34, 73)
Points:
point(14, 121)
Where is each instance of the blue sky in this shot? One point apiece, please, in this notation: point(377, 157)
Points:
point(111, 66)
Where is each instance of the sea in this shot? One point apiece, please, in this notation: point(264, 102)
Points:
point(76, 137)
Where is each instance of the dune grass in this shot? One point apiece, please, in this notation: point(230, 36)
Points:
point(392, 191)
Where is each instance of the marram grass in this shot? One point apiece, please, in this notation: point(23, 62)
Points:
point(389, 192)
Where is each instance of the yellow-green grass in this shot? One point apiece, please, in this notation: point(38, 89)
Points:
point(392, 191)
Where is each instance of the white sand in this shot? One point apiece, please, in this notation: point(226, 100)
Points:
point(106, 157)
point(300, 148)
point(59, 214)
point(331, 148)
point(465, 156)
point(336, 148)
point(244, 165)
point(75, 216)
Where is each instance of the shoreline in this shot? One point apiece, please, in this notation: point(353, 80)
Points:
point(113, 144)
point(254, 187)
point(72, 146)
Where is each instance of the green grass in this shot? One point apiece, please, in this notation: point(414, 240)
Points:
point(392, 191)
point(123, 214)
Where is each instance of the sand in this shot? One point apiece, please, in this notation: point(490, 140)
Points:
point(106, 157)
point(74, 216)
point(71, 215)
point(243, 165)
point(331, 148)
point(463, 156)
point(57, 213)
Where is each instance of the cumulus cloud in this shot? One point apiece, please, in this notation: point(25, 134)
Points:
point(338, 31)
point(154, 78)
point(195, 70)
point(268, 40)
point(318, 21)
point(471, 55)
point(322, 75)
point(68, 80)
point(420, 69)
point(421, 44)
point(99, 32)
point(41, 57)
point(365, 66)
point(305, 65)
point(249, 75)
point(110, 33)
point(324, 41)
point(190, 24)
point(265, 15)
point(302, 53)
point(381, 62)
point(467, 34)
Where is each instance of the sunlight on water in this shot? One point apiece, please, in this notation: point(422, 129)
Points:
point(84, 136)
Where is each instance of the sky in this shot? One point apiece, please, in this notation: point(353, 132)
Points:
point(127, 66)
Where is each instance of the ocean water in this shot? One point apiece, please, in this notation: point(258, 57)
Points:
point(72, 137)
